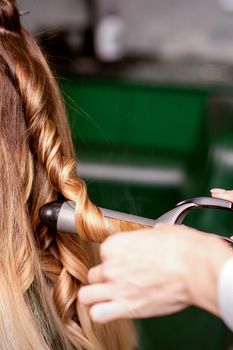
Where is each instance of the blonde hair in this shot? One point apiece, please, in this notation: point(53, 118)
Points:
point(41, 271)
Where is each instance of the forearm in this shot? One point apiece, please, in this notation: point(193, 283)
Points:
point(206, 264)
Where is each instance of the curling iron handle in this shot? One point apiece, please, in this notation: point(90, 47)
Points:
point(177, 215)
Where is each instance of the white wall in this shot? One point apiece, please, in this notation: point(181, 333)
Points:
point(53, 13)
point(174, 28)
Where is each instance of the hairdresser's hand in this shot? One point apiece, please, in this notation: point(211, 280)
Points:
point(222, 194)
point(155, 272)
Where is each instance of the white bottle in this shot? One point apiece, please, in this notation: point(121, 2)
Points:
point(109, 37)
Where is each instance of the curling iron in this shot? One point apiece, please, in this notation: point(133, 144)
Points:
point(60, 215)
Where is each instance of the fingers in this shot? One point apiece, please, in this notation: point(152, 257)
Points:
point(97, 293)
point(223, 194)
point(104, 309)
point(95, 275)
point(106, 312)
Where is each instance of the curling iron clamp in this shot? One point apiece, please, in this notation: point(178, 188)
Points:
point(60, 215)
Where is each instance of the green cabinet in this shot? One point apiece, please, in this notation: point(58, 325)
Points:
point(136, 116)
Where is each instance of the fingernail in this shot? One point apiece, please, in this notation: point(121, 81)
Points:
point(217, 190)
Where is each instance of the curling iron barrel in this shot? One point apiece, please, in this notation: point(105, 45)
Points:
point(60, 215)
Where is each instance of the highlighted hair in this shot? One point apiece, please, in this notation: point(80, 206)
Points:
point(41, 271)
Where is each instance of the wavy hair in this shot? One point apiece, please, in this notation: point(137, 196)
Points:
point(41, 271)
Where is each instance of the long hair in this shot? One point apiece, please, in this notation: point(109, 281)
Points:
point(41, 271)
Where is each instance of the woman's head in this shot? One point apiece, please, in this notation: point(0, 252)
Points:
point(41, 271)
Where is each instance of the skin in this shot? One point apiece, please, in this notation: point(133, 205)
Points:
point(156, 272)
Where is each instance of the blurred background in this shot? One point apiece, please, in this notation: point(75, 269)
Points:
point(148, 86)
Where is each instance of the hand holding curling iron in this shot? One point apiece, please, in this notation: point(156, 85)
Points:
point(144, 274)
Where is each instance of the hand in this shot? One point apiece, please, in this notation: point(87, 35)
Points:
point(222, 194)
point(154, 272)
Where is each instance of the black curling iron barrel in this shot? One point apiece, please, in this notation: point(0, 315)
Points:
point(60, 215)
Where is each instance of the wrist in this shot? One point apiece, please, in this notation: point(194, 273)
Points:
point(206, 259)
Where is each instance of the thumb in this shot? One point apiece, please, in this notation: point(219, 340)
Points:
point(223, 194)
